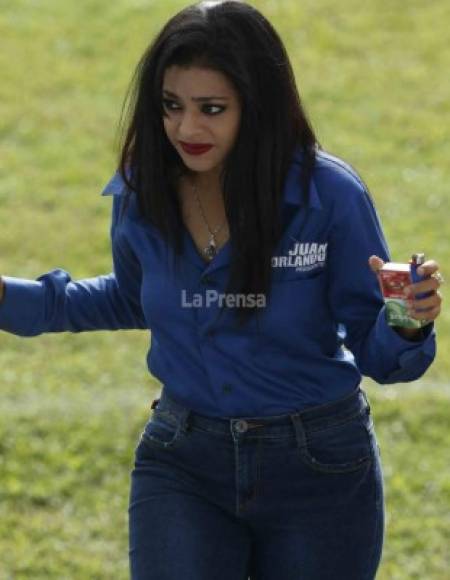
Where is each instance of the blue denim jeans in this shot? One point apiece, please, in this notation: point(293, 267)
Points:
point(288, 497)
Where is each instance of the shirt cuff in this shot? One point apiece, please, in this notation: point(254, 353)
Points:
point(412, 357)
point(21, 310)
point(428, 333)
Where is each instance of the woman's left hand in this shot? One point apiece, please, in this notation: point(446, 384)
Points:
point(427, 308)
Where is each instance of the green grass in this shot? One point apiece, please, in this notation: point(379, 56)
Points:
point(374, 79)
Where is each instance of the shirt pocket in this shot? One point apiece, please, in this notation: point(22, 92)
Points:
point(296, 310)
point(280, 275)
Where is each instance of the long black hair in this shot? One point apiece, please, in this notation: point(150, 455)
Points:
point(235, 39)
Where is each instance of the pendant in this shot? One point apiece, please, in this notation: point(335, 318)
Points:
point(210, 250)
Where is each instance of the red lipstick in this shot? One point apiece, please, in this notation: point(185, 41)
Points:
point(195, 148)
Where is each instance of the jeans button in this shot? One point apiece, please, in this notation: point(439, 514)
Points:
point(241, 426)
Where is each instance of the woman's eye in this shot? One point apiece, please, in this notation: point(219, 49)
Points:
point(218, 109)
point(207, 109)
point(168, 104)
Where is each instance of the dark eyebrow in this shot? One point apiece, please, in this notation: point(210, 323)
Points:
point(197, 99)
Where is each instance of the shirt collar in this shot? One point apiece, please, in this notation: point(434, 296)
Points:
point(115, 185)
point(292, 190)
point(292, 193)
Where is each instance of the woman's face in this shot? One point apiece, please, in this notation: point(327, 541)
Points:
point(201, 107)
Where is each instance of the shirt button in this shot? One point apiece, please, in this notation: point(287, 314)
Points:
point(210, 333)
point(226, 388)
point(207, 280)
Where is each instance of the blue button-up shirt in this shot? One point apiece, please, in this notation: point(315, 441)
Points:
point(322, 327)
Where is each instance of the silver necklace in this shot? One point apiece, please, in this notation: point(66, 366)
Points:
point(211, 249)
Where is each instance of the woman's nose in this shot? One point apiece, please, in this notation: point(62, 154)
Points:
point(189, 125)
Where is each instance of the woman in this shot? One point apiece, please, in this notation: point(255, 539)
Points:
point(249, 252)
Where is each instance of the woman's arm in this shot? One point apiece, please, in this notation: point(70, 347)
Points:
point(55, 303)
point(355, 298)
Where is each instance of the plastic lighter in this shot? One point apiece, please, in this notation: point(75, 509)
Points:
point(393, 278)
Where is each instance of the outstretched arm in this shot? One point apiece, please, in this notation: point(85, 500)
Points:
point(55, 303)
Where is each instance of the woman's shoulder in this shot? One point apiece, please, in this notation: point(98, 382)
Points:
point(124, 198)
point(335, 171)
point(338, 183)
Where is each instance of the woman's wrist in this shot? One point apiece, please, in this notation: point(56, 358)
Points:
point(413, 334)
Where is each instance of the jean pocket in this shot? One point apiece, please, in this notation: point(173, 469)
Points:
point(163, 430)
point(340, 448)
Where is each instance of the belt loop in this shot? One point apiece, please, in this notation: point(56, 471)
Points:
point(299, 430)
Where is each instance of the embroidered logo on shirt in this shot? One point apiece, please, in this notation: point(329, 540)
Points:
point(303, 257)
